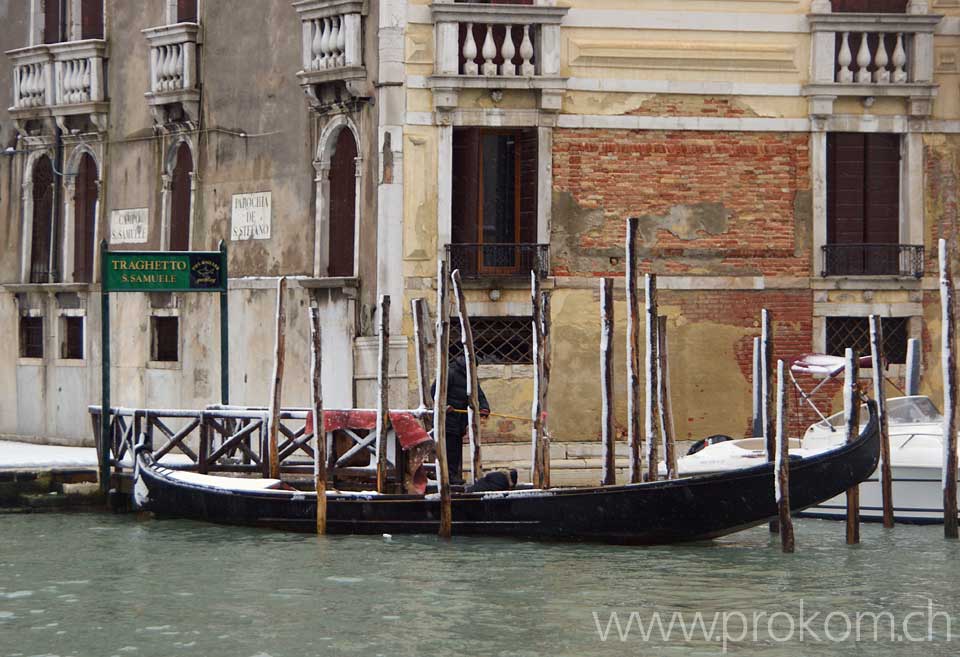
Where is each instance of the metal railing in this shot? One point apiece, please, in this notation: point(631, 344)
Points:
point(499, 260)
point(872, 260)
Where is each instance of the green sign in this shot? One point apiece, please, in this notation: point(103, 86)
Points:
point(165, 271)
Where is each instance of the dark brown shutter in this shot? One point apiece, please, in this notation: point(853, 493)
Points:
point(180, 206)
point(42, 220)
point(870, 6)
point(343, 195)
point(91, 19)
point(465, 185)
point(882, 189)
point(527, 141)
point(186, 11)
point(85, 206)
point(51, 21)
point(845, 173)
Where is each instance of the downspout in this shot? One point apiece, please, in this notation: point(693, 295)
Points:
point(55, 275)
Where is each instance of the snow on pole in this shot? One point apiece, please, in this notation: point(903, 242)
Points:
point(608, 476)
point(440, 401)
point(757, 390)
point(766, 378)
point(418, 309)
point(536, 412)
point(664, 402)
point(319, 423)
point(473, 398)
point(851, 417)
point(633, 354)
point(912, 386)
point(277, 385)
point(782, 466)
point(877, 360)
point(652, 430)
point(949, 366)
point(383, 393)
point(545, 354)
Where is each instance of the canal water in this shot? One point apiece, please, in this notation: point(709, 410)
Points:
point(97, 585)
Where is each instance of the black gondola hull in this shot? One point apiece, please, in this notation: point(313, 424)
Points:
point(688, 509)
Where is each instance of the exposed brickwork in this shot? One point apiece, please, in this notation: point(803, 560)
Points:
point(755, 178)
point(678, 105)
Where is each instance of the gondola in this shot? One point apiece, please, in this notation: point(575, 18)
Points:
point(687, 509)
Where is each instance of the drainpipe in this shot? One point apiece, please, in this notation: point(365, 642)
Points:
point(55, 275)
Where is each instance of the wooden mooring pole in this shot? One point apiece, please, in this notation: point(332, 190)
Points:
point(949, 366)
point(664, 404)
point(851, 416)
point(650, 405)
point(757, 389)
point(440, 401)
point(418, 309)
point(633, 354)
point(782, 467)
point(277, 385)
point(912, 384)
point(608, 476)
point(473, 398)
point(886, 476)
point(766, 383)
point(319, 422)
point(545, 364)
point(537, 467)
point(383, 393)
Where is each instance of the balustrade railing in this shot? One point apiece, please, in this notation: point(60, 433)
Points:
point(332, 34)
point(505, 50)
point(173, 57)
point(32, 84)
point(872, 260)
point(881, 58)
point(499, 260)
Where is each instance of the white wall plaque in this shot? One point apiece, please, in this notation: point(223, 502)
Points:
point(250, 216)
point(128, 226)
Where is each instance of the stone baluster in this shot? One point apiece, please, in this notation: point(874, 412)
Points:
point(69, 75)
point(163, 53)
point(863, 60)
point(334, 59)
point(470, 53)
point(489, 52)
point(526, 53)
point(844, 58)
point(316, 53)
point(85, 80)
point(880, 74)
point(325, 44)
point(899, 61)
point(508, 68)
point(342, 42)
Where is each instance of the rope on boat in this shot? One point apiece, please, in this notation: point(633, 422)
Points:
point(503, 415)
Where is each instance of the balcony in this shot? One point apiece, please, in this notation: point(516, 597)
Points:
point(65, 81)
point(869, 56)
point(174, 94)
point(476, 261)
point(497, 47)
point(872, 260)
point(332, 51)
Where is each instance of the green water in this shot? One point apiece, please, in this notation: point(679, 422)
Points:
point(99, 585)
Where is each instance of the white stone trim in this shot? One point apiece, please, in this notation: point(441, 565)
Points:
point(325, 149)
point(26, 203)
point(71, 171)
point(682, 123)
point(444, 189)
point(831, 309)
point(166, 190)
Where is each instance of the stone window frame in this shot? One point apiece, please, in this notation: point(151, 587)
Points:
point(59, 359)
point(70, 173)
point(166, 189)
point(164, 364)
point(321, 165)
point(33, 313)
point(73, 20)
point(170, 12)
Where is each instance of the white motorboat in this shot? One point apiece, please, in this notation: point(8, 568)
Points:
point(916, 461)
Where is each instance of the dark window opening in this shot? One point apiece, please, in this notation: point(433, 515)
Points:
point(165, 343)
point(343, 208)
point(186, 11)
point(85, 218)
point(180, 205)
point(869, 6)
point(498, 340)
point(91, 19)
point(51, 21)
point(31, 337)
point(854, 332)
point(494, 206)
point(71, 344)
point(41, 239)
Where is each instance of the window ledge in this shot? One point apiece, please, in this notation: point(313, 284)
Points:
point(70, 362)
point(867, 89)
point(30, 362)
point(330, 282)
point(164, 365)
point(49, 287)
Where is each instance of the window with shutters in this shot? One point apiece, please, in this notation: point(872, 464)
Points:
point(186, 11)
point(494, 206)
point(863, 208)
point(343, 205)
point(85, 219)
point(52, 32)
point(91, 19)
point(854, 333)
point(180, 202)
point(41, 238)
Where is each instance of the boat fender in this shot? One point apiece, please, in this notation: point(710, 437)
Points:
point(705, 442)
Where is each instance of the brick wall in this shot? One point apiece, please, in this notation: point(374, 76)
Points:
point(760, 182)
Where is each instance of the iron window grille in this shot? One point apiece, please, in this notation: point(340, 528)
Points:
point(31, 337)
point(854, 332)
point(498, 340)
point(71, 345)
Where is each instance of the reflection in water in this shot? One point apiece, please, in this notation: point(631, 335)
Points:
point(101, 585)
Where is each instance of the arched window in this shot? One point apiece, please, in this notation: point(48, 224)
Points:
point(51, 21)
point(42, 221)
point(180, 200)
point(343, 205)
point(85, 219)
point(186, 11)
point(91, 19)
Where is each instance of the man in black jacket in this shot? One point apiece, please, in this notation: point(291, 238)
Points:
point(456, 424)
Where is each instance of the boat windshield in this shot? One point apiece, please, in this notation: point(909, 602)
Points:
point(900, 410)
